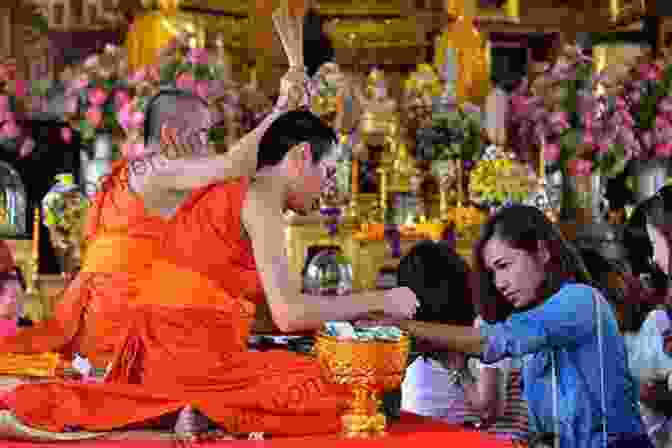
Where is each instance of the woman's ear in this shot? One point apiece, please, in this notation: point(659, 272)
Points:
point(543, 252)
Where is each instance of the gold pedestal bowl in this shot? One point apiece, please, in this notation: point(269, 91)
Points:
point(370, 368)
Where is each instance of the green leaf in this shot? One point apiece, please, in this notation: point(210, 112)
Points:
point(202, 72)
point(40, 23)
point(169, 71)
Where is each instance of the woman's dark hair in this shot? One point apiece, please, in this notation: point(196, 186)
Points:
point(291, 129)
point(657, 211)
point(524, 227)
point(626, 293)
point(600, 269)
point(637, 243)
point(157, 110)
point(439, 277)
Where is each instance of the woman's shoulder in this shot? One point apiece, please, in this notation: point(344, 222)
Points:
point(579, 293)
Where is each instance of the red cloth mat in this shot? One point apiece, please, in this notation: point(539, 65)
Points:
point(410, 429)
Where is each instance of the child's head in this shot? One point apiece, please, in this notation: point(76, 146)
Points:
point(522, 259)
point(439, 277)
point(658, 214)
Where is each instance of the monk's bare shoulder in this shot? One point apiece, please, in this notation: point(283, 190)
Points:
point(143, 175)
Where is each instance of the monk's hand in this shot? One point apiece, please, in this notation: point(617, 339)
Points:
point(294, 89)
point(377, 319)
point(400, 303)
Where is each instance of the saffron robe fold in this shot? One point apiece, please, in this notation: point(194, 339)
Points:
point(90, 316)
point(186, 343)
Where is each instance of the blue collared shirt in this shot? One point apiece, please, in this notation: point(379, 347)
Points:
point(566, 325)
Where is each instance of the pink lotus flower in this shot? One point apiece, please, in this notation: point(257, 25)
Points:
point(98, 96)
point(620, 103)
point(650, 72)
point(94, 116)
point(153, 74)
point(185, 81)
point(71, 105)
point(66, 135)
point(198, 56)
point(26, 148)
point(121, 97)
point(580, 167)
point(20, 88)
point(138, 76)
point(665, 105)
point(664, 150)
point(558, 121)
point(636, 96)
point(124, 115)
point(647, 139)
point(10, 130)
point(552, 152)
point(133, 151)
point(588, 138)
point(202, 89)
point(137, 119)
point(661, 122)
point(81, 82)
point(8, 327)
point(4, 103)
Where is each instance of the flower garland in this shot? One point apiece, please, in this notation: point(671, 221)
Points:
point(12, 93)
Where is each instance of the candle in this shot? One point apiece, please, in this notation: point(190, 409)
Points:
point(36, 234)
point(354, 175)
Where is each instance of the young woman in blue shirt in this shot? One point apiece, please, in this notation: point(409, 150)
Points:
point(578, 386)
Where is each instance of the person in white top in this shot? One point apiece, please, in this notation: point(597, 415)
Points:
point(447, 385)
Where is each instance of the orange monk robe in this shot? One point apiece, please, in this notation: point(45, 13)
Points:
point(192, 349)
point(91, 314)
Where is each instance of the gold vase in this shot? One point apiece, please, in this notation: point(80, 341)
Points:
point(370, 368)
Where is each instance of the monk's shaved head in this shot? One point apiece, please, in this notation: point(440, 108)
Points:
point(181, 111)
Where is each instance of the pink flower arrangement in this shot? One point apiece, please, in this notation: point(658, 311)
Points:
point(560, 113)
point(194, 73)
point(97, 92)
point(642, 119)
point(580, 167)
point(12, 93)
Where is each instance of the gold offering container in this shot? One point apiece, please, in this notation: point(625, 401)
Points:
point(370, 368)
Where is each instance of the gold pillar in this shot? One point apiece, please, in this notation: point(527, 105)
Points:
point(146, 36)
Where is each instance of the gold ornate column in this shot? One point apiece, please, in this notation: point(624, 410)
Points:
point(151, 31)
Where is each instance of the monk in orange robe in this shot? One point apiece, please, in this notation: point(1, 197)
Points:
point(222, 252)
point(90, 316)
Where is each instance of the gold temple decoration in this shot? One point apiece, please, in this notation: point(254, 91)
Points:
point(370, 368)
point(380, 117)
point(33, 281)
point(621, 10)
point(375, 34)
point(508, 12)
point(462, 36)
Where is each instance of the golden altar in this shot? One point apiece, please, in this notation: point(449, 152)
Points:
point(368, 255)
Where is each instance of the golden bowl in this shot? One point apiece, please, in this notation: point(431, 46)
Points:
point(370, 368)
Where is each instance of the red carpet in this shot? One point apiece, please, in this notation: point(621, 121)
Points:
point(409, 430)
